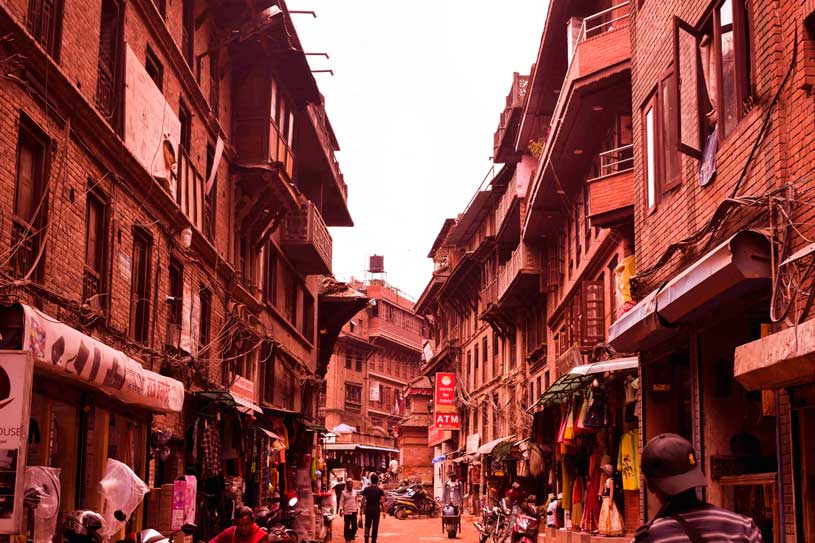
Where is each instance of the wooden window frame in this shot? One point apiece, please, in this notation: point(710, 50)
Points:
point(271, 266)
point(140, 325)
point(176, 304)
point(586, 339)
point(185, 119)
point(151, 58)
point(204, 321)
point(96, 271)
point(49, 38)
point(663, 181)
point(188, 31)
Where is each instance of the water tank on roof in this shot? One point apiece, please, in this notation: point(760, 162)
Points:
point(376, 264)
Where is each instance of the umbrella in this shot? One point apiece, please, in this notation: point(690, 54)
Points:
point(343, 429)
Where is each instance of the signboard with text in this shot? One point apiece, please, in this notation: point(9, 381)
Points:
point(445, 393)
point(447, 421)
point(436, 436)
point(16, 375)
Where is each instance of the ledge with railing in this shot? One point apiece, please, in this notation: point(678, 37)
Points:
point(306, 240)
point(611, 193)
point(523, 259)
point(504, 204)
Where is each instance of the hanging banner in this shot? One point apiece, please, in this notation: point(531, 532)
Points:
point(445, 393)
point(56, 347)
point(16, 376)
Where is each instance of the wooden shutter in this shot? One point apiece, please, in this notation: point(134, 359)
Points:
point(593, 313)
point(687, 80)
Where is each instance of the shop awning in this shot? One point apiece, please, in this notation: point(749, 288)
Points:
point(61, 350)
point(317, 428)
point(377, 449)
point(277, 441)
point(244, 405)
point(580, 376)
point(341, 429)
point(742, 261)
point(340, 446)
point(487, 448)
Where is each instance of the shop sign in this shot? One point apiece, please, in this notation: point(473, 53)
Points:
point(447, 421)
point(436, 435)
point(243, 389)
point(445, 393)
point(473, 442)
point(16, 375)
point(374, 394)
point(58, 348)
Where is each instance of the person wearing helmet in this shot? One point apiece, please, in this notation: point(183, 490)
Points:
point(673, 473)
point(244, 531)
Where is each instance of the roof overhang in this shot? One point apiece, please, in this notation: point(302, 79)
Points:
point(736, 267)
point(470, 220)
point(488, 447)
point(441, 236)
point(337, 304)
point(580, 376)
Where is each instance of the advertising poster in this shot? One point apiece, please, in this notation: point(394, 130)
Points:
point(16, 374)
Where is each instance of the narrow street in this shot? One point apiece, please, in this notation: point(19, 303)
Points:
point(417, 529)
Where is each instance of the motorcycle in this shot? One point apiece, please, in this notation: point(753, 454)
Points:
point(417, 504)
point(405, 491)
point(525, 522)
point(502, 518)
point(278, 522)
point(486, 527)
point(450, 520)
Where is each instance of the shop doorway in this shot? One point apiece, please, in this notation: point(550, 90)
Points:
point(805, 488)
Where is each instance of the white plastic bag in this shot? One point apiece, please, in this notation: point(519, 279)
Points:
point(123, 491)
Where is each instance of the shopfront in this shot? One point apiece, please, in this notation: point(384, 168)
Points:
point(590, 476)
point(686, 333)
point(89, 403)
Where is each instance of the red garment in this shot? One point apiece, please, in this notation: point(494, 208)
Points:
point(591, 509)
point(229, 536)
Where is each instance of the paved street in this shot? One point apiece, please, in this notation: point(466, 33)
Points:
point(418, 530)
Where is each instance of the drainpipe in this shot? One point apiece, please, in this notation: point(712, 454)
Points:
point(779, 466)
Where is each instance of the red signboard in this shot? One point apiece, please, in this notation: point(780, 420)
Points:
point(445, 393)
point(436, 436)
point(447, 421)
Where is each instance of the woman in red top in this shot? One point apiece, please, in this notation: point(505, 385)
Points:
point(244, 531)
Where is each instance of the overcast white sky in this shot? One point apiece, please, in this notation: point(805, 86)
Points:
point(414, 101)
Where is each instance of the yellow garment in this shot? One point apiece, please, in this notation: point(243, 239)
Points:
point(628, 460)
point(625, 271)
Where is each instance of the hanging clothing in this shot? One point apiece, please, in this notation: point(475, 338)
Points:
point(211, 452)
point(591, 507)
point(597, 414)
point(578, 495)
point(580, 423)
point(611, 522)
point(628, 460)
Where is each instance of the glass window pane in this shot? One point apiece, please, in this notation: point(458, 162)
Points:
point(730, 108)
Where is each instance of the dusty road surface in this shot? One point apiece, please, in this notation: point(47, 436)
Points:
point(415, 530)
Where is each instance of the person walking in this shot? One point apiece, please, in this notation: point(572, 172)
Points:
point(373, 503)
point(673, 473)
point(453, 493)
point(244, 531)
point(349, 510)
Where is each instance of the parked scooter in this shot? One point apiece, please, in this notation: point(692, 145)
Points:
point(417, 504)
point(502, 519)
point(525, 522)
point(486, 526)
point(278, 522)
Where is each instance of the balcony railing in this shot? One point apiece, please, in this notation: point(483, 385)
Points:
point(190, 190)
point(306, 240)
point(603, 21)
point(523, 259)
point(504, 204)
point(616, 160)
point(489, 294)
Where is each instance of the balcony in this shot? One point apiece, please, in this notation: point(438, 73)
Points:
point(507, 218)
point(519, 277)
point(504, 137)
point(306, 240)
point(603, 41)
point(611, 194)
point(382, 329)
point(489, 294)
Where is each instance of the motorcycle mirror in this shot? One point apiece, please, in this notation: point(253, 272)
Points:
point(119, 515)
point(293, 502)
point(189, 529)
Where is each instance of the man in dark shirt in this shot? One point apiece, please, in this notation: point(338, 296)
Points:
point(672, 472)
point(373, 504)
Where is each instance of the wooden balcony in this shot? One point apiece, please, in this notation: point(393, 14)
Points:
point(489, 294)
point(507, 218)
point(611, 195)
point(306, 240)
point(519, 277)
point(382, 329)
point(504, 137)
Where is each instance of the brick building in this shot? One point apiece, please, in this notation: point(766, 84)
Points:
point(170, 176)
point(376, 355)
point(653, 250)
